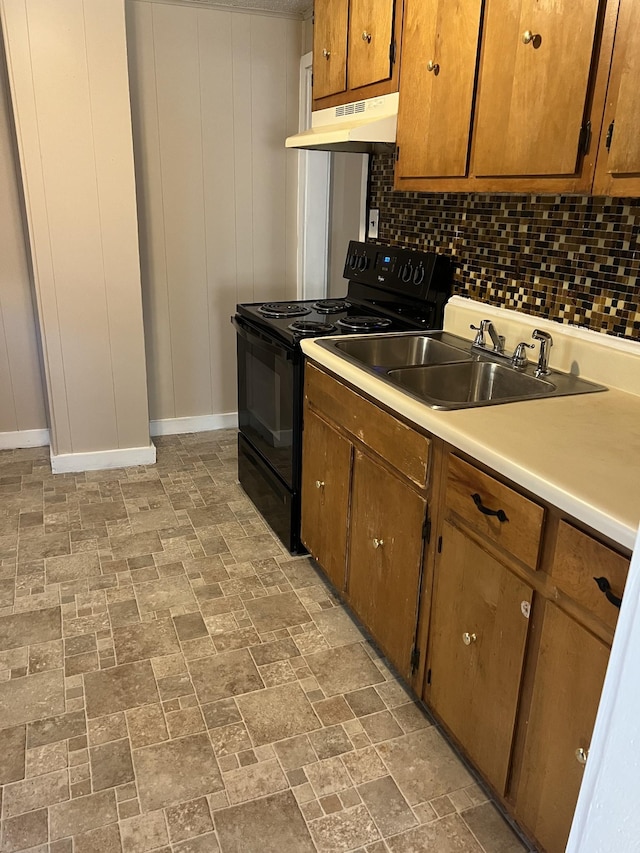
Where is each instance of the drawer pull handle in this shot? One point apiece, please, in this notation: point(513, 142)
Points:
point(605, 587)
point(468, 638)
point(319, 484)
point(582, 755)
point(378, 543)
point(500, 514)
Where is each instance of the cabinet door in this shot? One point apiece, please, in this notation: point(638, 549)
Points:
point(370, 37)
point(568, 683)
point(478, 637)
point(326, 463)
point(535, 67)
point(439, 58)
point(619, 165)
point(330, 47)
point(385, 558)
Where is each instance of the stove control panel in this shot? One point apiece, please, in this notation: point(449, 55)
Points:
point(409, 272)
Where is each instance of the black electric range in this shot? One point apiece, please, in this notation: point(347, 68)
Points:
point(389, 289)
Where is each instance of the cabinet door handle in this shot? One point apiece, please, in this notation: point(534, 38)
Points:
point(366, 37)
point(378, 543)
point(468, 638)
point(319, 484)
point(605, 587)
point(433, 66)
point(326, 53)
point(582, 755)
point(500, 514)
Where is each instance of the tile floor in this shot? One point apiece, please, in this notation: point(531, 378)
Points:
point(172, 680)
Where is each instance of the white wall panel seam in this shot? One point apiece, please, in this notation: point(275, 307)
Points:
point(162, 205)
point(204, 210)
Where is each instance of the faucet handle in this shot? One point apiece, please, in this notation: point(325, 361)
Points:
point(481, 329)
point(519, 358)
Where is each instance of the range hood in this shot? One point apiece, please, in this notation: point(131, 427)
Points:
point(352, 127)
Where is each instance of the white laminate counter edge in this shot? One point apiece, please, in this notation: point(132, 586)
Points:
point(517, 441)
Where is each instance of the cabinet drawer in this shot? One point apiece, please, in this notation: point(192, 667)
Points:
point(396, 442)
point(496, 511)
point(578, 559)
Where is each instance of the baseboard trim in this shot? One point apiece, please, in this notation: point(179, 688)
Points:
point(126, 457)
point(198, 423)
point(24, 438)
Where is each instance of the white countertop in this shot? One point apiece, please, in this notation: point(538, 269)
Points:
point(579, 453)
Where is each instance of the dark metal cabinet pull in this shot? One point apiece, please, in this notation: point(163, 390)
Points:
point(500, 514)
point(605, 587)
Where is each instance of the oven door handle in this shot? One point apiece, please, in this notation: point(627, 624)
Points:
point(251, 334)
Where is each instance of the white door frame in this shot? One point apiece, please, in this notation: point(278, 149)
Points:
point(314, 182)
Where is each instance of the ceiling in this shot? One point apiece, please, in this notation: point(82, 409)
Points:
point(301, 8)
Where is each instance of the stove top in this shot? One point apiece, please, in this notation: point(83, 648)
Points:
point(389, 289)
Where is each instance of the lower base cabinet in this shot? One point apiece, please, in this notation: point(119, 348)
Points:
point(385, 558)
point(478, 638)
point(513, 605)
point(568, 682)
point(326, 460)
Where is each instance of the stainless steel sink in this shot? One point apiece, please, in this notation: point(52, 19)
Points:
point(474, 383)
point(445, 371)
point(401, 350)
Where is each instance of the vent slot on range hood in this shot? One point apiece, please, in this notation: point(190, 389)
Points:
point(355, 127)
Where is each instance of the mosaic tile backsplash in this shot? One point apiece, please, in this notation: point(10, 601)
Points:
point(572, 259)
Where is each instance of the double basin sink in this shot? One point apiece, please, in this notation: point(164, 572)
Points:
point(447, 372)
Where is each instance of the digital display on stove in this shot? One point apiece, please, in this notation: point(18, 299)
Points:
point(384, 261)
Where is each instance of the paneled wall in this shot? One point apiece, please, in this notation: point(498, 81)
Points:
point(573, 259)
point(21, 389)
point(70, 97)
point(214, 94)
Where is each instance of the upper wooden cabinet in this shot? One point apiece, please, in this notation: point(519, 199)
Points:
point(436, 96)
point(521, 106)
point(534, 75)
point(356, 48)
point(330, 30)
point(618, 168)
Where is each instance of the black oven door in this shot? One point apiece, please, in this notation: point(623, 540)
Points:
point(267, 402)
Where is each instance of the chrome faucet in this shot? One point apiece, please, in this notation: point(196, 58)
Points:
point(486, 326)
point(546, 342)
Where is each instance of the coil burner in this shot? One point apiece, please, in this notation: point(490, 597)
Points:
point(311, 327)
point(331, 306)
point(364, 324)
point(278, 310)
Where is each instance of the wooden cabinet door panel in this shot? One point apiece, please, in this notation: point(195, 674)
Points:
point(567, 687)
point(478, 640)
point(434, 117)
point(370, 36)
point(532, 97)
point(326, 463)
point(330, 37)
point(385, 557)
point(624, 155)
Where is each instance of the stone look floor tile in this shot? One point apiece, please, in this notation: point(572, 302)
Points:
point(277, 713)
point(282, 828)
point(173, 681)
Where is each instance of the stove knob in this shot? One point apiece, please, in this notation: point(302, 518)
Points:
point(363, 263)
point(353, 260)
point(406, 272)
point(418, 276)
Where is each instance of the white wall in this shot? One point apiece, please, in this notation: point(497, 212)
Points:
point(214, 94)
point(22, 411)
point(67, 68)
